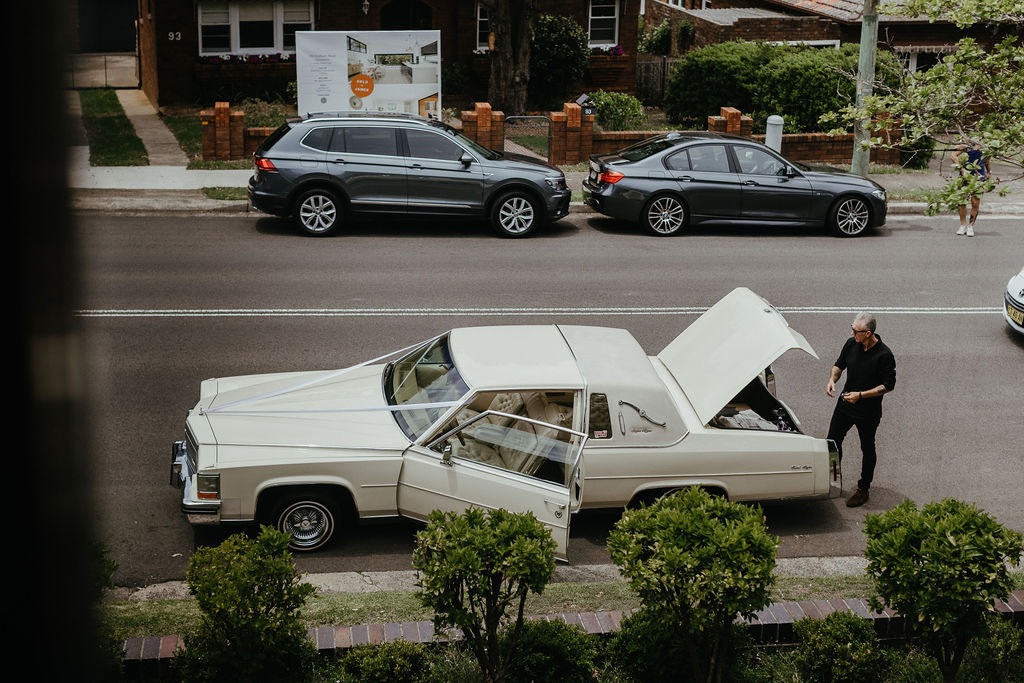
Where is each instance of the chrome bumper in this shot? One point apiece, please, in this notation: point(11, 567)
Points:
point(181, 478)
point(835, 489)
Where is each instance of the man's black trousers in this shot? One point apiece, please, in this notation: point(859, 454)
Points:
point(867, 425)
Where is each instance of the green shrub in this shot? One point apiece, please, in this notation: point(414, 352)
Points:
point(696, 561)
point(647, 651)
point(841, 648)
point(250, 594)
point(558, 60)
point(551, 651)
point(996, 655)
point(477, 566)
point(685, 33)
point(657, 41)
point(716, 76)
point(940, 567)
point(455, 78)
point(396, 662)
point(451, 662)
point(259, 113)
point(617, 110)
point(908, 664)
point(918, 153)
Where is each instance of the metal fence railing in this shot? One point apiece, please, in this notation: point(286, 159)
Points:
point(93, 70)
point(651, 76)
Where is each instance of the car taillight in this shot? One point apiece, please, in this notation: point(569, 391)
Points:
point(264, 164)
point(610, 176)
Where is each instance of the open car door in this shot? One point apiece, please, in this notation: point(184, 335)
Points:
point(498, 460)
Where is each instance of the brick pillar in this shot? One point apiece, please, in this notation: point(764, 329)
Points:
point(222, 121)
point(208, 128)
point(483, 123)
point(731, 121)
point(586, 137)
point(237, 135)
point(497, 130)
point(556, 147)
point(469, 127)
point(573, 119)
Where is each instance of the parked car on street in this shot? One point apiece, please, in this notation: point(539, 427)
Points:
point(679, 179)
point(326, 167)
point(541, 418)
point(1013, 304)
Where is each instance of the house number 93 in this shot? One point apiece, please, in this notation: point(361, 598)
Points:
point(174, 35)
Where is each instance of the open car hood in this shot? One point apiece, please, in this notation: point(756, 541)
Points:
point(727, 347)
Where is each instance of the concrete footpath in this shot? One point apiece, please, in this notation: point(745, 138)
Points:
point(167, 186)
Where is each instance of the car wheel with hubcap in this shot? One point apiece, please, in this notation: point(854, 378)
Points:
point(515, 214)
point(318, 212)
point(664, 215)
point(309, 520)
point(850, 217)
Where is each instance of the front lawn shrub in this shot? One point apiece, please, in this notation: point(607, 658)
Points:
point(250, 594)
point(940, 567)
point(696, 561)
point(841, 648)
point(716, 76)
point(396, 662)
point(558, 60)
point(618, 110)
point(263, 114)
point(657, 41)
point(552, 651)
point(909, 664)
point(996, 655)
point(477, 566)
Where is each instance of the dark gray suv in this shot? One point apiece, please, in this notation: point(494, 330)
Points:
point(324, 167)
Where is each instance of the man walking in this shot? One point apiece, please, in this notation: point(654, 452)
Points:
point(870, 372)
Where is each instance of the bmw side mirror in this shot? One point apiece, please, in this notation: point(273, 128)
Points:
point(790, 171)
point(466, 159)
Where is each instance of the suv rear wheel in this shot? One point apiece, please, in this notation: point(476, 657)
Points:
point(515, 214)
point(318, 212)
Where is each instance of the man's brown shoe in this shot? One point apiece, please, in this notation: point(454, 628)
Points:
point(859, 497)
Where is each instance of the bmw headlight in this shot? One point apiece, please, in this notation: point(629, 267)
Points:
point(556, 184)
point(880, 193)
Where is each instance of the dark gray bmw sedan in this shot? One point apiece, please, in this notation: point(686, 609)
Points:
point(687, 178)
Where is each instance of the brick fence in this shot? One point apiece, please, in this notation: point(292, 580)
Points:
point(149, 658)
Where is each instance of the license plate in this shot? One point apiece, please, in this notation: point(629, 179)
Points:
point(1015, 315)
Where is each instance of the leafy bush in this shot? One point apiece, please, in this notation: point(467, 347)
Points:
point(996, 655)
point(557, 61)
point(455, 78)
point(250, 595)
point(474, 568)
point(696, 560)
point(617, 110)
point(657, 41)
point(716, 76)
point(685, 33)
point(551, 651)
point(918, 153)
point(908, 664)
point(940, 568)
point(259, 113)
point(803, 84)
point(396, 662)
point(840, 648)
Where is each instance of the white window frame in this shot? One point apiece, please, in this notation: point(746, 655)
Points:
point(233, 22)
point(590, 20)
point(478, 20)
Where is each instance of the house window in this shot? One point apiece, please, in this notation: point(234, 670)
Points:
point(252, 27)
point(603, 23)
point(483, 28)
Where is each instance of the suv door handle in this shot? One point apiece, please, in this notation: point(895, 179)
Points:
point(751, 182)
point(686, 178)
point(337, 161)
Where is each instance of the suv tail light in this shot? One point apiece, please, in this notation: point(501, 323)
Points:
point(264, 164)
point(610, 176)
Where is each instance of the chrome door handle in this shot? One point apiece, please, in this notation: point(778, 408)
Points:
point(751, 182)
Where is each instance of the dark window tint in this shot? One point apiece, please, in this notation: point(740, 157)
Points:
point(289, 34)
point(679, 162)
point(371, 141)
point(600, 418)
point(642, 150)
point(710, 158)
point(337, 141)
point(426, 145)
point(255, 34)
point(275, 136)
point(318, 138)
point(216, 37)
point(757, 161)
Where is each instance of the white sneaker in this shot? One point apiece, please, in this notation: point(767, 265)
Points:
point(962, 230)
point(970, 231)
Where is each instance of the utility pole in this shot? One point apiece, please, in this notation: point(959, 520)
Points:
point(865, 77)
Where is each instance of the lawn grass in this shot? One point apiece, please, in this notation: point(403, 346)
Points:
point(534, 143)
point(226, 193)
point(910, 195)
point(112, 137)
point(130, 618)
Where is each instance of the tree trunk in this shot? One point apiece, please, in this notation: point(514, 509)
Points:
point(511, 22)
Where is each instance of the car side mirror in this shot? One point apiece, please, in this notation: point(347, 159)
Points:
point(790, 171)
point(466, 159)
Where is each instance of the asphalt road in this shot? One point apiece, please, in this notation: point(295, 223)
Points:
point(170, 301)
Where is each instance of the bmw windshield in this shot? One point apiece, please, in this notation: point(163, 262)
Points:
point(425, 375)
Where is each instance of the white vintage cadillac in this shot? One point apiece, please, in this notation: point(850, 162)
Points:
point(542, 418)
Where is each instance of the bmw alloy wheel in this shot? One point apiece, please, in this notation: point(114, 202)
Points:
point(851, 217)
point(665, 215)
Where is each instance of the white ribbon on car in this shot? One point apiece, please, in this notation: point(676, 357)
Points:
point(324, 378)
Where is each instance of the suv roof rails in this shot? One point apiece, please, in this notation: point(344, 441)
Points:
point(348, 113)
